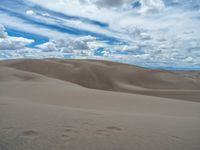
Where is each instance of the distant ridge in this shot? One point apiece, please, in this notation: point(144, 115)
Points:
point(105, 75)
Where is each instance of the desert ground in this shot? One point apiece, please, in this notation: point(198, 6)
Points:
point(97, 105)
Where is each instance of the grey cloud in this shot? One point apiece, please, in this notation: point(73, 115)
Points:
point(192, 4)
point(108, 3)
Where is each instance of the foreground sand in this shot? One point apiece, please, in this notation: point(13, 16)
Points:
point(38, 112)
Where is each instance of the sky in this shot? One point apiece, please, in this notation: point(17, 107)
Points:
point(150, 33)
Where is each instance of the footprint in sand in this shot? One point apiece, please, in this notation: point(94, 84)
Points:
point(102, 132)
point(113, 128)
point(69, 133)
point(174, 137)
point(108, 130)
point(29, 133)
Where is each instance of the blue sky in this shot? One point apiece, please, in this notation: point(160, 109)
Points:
point(150, 33)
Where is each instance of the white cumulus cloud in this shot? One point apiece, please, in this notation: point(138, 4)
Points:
point(30, 12)
point(12, 43)
point(70, 45)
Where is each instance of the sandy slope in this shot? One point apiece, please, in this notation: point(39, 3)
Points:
point(116, 77)
point(37, 113)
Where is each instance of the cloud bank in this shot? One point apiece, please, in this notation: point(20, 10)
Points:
point(12, 43)
point(150, 33)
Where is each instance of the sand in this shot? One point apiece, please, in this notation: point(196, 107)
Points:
point(47, 104)
point(109, 76)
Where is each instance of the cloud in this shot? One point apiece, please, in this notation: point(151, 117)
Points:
point(151, 6)
point(32, 53)
point(112, 3)
point(24, 26)
point(12, 43)
point(30, 12)
point(144, 32)
point(70, 45)
point(185, 4)
point(3, 34)
point(145, 5)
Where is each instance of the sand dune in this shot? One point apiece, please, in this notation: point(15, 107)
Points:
point(111, 76)
point(44, 104)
